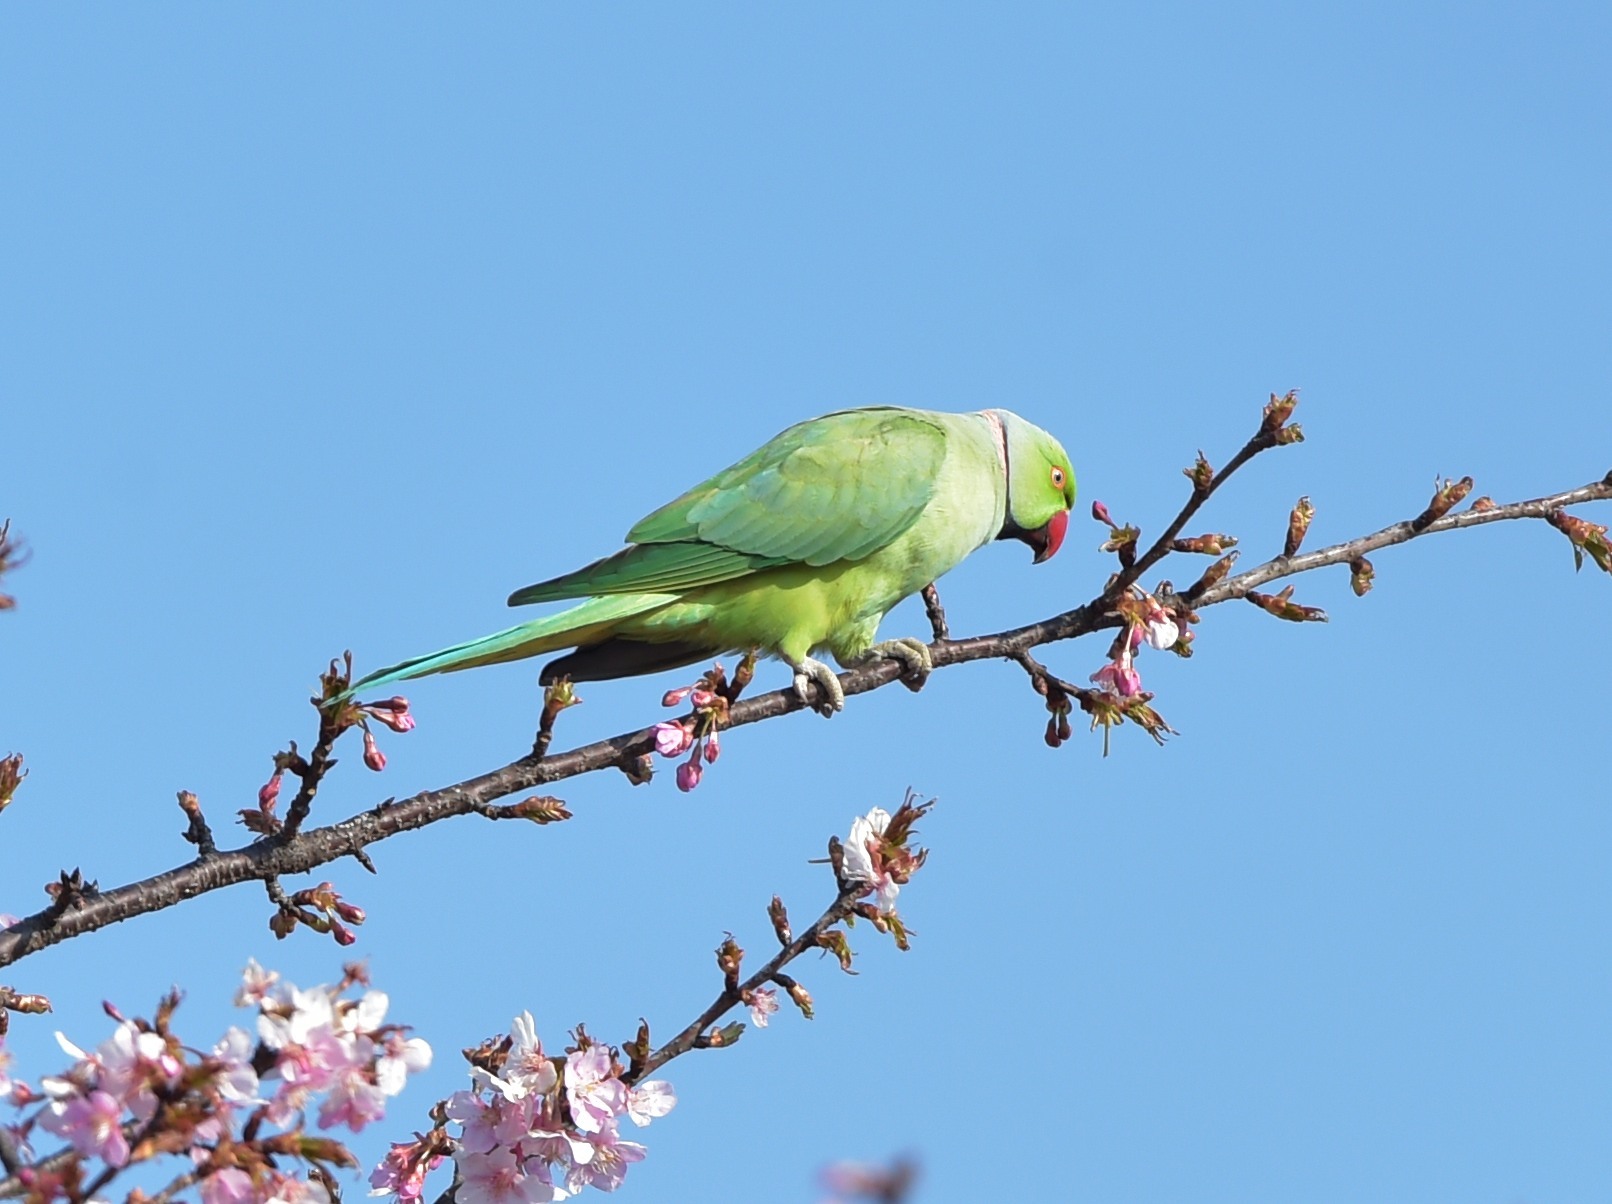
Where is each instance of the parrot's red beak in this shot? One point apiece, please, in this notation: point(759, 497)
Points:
point(1049, 539)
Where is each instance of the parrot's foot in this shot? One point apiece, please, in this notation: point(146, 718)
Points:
point(830, 697)
point(913, 653)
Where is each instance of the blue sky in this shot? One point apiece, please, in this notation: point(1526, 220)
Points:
point(326, 327)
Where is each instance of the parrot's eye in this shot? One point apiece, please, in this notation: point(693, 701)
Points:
point(1057, 478)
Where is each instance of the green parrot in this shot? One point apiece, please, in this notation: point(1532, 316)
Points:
point(803, 545)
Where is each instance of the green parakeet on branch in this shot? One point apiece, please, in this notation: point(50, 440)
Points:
point(800, 547)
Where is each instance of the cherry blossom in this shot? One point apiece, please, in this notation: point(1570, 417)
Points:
point(230, 1185)
point(596, 1096)
point(763, 1003)
point(501, 1176)
point(608, 1166)
point(402, 1173)
point(92, 1124)
point(672, 739)
point(650, 1101)
point(863, 862)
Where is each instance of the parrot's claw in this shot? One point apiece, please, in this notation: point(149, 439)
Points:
point(913, 653)
point(830, 697)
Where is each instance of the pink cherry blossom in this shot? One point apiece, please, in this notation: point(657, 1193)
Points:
point(92, 1124)
point(503, 1177)
point(230, 1185)
point(526, 1070)
point(1120, 675)
point(256, 984)
point(235, 1079)
point(132, 1062)
point(672, 739)
point(596, 1096)
point(713, 749)
point(861, 861)
point(402, 1172)
point(556, 1146)
point(287, 1189)
point(608, 1166)
point(763, 1003)
point(400, 1058)
point(353, 1100)
point(650, 1101)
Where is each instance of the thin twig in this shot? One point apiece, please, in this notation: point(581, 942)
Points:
point(729, 999)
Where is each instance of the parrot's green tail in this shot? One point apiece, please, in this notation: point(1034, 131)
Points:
point(588, 623)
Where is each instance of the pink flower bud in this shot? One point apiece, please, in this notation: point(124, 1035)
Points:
point(394, 712)
point(343, 934)
point(703, 699)
point(672, 697)
point(270, 790)
point(350, 912)
point(688, 775)
point(672, 739)
point(713, 749)
point(1100, 513)
point(373, 756)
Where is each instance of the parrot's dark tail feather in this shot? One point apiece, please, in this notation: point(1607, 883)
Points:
point(619, 657)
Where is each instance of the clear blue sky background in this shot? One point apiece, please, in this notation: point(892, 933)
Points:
point(325, 327)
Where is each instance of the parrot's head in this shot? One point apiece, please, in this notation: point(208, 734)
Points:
point(1040, 484)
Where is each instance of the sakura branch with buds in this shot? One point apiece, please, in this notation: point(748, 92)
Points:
point(1143, 616)
point(537, 1125)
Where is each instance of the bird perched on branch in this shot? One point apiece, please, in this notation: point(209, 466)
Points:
point(802, 546)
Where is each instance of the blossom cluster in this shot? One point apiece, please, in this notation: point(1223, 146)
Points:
point(237, 1111)
point(696, 735)
point(534, 1127)
point(1147, 622)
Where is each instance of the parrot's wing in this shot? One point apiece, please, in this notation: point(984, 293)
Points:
point(838, 487)
point(651, 568)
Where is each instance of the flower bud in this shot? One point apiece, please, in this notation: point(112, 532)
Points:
point(1277, 412)
point(1298, 524)
point(1360, 576)
point(373, 756)
point(1200, 474)
point(688, 775)
point(11, 776)
point(1282, 606)
point(1446, 496)
point(1100, 513)
point(672, 697)
point(802, 998)
point(779, 916)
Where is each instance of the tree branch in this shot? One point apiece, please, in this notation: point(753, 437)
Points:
point(301, 851)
